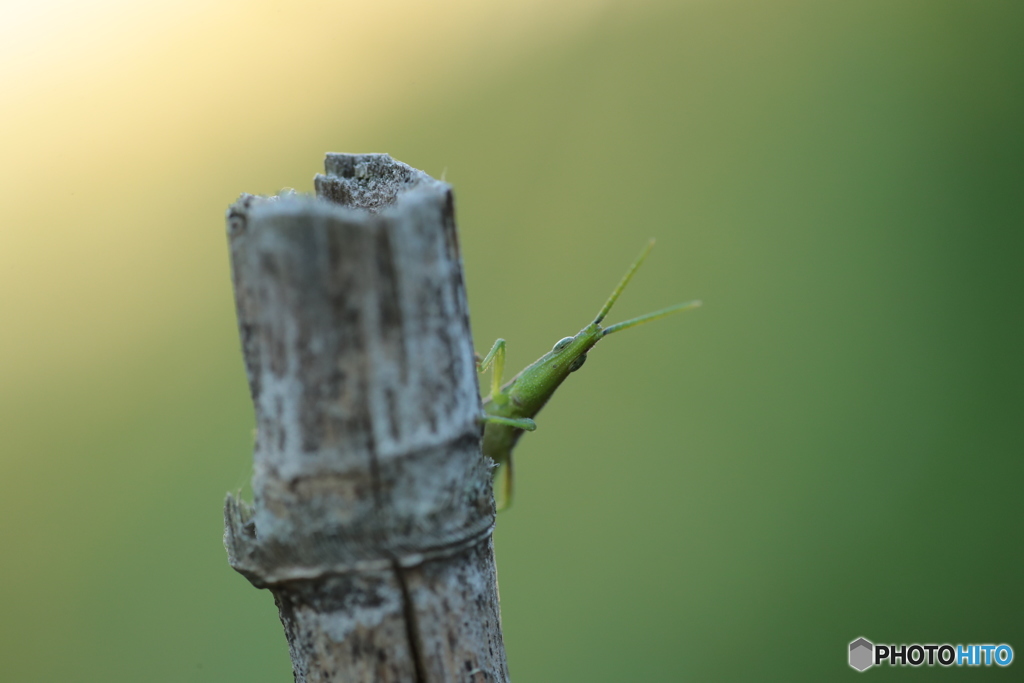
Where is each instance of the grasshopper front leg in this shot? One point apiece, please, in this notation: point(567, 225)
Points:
point(497, 444)
point(495, 360)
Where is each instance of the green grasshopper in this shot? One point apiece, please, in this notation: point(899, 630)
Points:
point(510, 409)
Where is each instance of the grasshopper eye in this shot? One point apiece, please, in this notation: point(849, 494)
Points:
point(578, 363)
point(562, 343)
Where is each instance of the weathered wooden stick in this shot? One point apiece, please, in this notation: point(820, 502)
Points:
point(373, 508)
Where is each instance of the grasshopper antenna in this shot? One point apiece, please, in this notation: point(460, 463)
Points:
point(640, 320)
point(643, 318)
point(623, 282)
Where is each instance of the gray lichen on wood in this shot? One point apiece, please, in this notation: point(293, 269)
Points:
point(373, 511)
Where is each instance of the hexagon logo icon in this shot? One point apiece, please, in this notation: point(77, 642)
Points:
point(861, 651)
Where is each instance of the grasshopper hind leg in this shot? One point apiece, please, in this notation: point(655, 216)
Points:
point(504, 478)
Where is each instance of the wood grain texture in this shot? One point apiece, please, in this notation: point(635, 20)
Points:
point(373, 511)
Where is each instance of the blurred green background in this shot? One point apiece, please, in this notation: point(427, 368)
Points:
point(830, 448)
